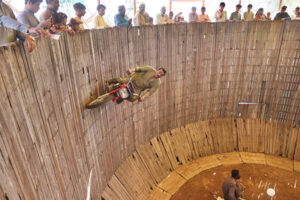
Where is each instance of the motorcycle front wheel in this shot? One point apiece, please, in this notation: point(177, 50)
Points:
point(100, 100)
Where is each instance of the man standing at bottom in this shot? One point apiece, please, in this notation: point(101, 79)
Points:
point(232, 190)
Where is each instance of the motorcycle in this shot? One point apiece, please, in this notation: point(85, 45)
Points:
point(119, 93)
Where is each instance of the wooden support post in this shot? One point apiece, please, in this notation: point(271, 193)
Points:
point(170, 5)
point(203, 3)
point(280, 4)
point(134, 7)
point(98, 1)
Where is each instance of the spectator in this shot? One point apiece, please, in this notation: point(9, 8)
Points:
point(236, 16)
point(99, 21)
point(193, 16)
point(10, 29)
point(171, 15)
point(282, 15)
point(162, 18)
point(27, 15)
point(268, 17)
point(260, 16)
point(203, 17)
point(249, 15)
point(59, 23)
point(296, 11)
point(298, 16)
point(181, 19)
point(75, 24)
point(150, 20)
point(79, 12)
point(221, 14)
point(52, 8)
point(141, 18)
point(121, 19)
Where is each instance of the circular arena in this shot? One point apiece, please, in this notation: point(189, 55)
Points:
point(230, 100)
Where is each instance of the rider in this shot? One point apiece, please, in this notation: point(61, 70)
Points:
point(143, 78)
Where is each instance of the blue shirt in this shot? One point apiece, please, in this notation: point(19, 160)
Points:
point(121, 20)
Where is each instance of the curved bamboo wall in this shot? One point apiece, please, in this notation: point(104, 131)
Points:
point(169, 186)
point(50, 143)
point(159, 167)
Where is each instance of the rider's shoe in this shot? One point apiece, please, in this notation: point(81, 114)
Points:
point(119, 100)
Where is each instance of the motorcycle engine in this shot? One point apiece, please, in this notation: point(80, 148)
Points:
point(124, 94)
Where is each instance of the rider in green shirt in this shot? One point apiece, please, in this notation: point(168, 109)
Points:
point(143, 78)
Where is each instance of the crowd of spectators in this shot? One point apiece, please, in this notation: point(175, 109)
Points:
point(50, 21)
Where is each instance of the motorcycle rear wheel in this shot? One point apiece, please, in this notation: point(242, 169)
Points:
point(100, 100)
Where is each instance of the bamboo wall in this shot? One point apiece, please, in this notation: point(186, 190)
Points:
point(163, 164)
point(50, 143)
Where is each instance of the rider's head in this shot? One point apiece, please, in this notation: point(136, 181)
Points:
point(161, 72)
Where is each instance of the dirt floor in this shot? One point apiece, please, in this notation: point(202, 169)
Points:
point(256, 178)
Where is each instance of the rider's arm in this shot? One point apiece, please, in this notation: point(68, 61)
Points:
point(151, 90)
point(142, 69)
point(13, 24)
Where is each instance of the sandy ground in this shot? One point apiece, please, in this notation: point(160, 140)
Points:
point(256, 178)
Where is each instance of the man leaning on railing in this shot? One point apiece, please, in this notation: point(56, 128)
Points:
point(10, 29)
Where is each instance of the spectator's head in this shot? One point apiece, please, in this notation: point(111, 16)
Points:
point(79, 9)
point(222, 6)
point(150, 20)
point(171, 15)
point(194, 10)
point(238, 7)
point(203, 9)
point(268, 14)
point(101, 9)
point(33, 5)
point(283, 9)
point(142, 8)
point(53, 5)
point(161, 72)
point(260, 11)
point(249, 7)
point(60, 18)
point(297, 10)
point(235, 174)
point(122, 10)
point(74, 24)
point(163, 10)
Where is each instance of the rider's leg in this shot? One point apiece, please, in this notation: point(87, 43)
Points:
point(134, 98)
point(111, 82)
point(117, 80)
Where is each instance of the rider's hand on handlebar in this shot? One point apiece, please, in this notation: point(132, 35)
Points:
point(129, 71)
point(141, 99)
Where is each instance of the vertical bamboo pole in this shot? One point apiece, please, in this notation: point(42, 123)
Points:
point(280, 4)
point(170, 5)
point(98, 2)
point(203, 3)
point(134, 7)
